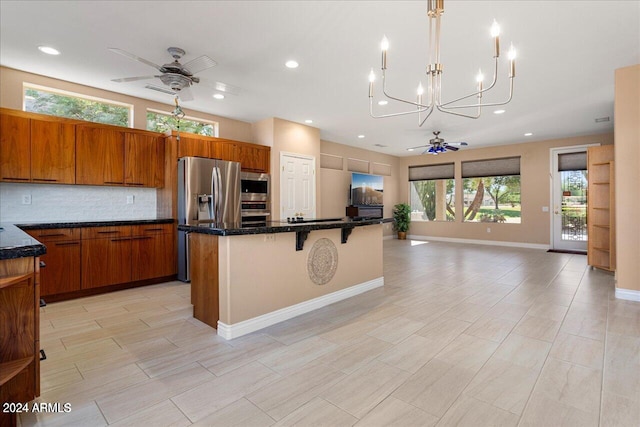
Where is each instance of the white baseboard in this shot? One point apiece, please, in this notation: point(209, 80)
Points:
point(628, 294)
point(481, 242)
point(389, 237)
point(251, 325)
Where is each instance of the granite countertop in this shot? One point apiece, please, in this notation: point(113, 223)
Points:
point(226, 229)
point(15, 243)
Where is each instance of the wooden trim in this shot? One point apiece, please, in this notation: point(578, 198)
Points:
point(8, 370)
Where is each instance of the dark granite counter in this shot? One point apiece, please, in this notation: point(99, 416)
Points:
point(15, 243)
point(102, 223)
point(226, 229)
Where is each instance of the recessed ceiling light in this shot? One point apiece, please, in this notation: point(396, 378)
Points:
point(218, 96)
point(383, 102)
point(48, 50)
point(309, 121)
point(291, 64)
point(380, 145)
point(360, 136)
point(410, 149)
point(528, 134)
point(499, 111)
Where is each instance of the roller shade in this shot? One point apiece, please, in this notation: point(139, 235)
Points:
point(572, 161)
point(427, 172)
point(495, 167)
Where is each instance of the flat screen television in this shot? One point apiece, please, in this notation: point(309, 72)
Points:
point(366, 190)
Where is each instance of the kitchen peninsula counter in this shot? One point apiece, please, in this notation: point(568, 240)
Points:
point(247, 278)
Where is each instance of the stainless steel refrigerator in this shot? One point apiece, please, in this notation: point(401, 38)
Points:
point(208, 192)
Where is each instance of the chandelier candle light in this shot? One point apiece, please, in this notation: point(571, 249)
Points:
point(435, 9)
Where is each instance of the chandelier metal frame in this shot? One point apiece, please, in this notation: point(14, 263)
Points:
point(434, 70)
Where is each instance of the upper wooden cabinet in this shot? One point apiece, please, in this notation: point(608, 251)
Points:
point(99, 155)
point(36, 150)
point(252, 157)
point(144, 160)
point(53, 157)
point(15, 148)
point(106, 155)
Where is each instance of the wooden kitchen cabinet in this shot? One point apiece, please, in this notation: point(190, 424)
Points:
point(106, 256)
point(144, 160)
point(53, 157)
point(227, 150)
point(193, 146)
point(152, 251)
point(19, 333)
point(15, 148)
point(254, 158)
point(99, 155)
point(62, 261)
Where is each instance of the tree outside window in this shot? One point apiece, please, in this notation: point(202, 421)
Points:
point(432, 200)
point(492, 199)
point(161, 122)
point(73, 106)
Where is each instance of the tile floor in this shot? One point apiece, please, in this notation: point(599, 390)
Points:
point(459, 335)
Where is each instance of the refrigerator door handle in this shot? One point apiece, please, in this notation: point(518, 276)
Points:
point(218, 195)
point(214, 193)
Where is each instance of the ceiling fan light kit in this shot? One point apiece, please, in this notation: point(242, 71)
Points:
point(435, 9)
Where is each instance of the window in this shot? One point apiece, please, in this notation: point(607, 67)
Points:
point(491, 190)
point(432, 192)
point(159, 121)
point(59, 103)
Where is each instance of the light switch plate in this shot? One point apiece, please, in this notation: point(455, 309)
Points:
point(130, 200)
point(26, 199)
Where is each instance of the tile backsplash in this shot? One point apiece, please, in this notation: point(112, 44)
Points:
point(74, 203)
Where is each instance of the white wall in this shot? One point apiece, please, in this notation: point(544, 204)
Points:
point(64, 203)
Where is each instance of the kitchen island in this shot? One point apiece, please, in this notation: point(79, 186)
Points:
point(247, 278)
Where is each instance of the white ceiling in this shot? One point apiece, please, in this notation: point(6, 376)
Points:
point(567, 54)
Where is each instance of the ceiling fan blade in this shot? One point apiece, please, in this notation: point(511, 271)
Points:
point(450, 147)
point(133, 79)
point(185, 94)
point(457, 143)
point(135, 57)
point(419, 146)
point(201, 63)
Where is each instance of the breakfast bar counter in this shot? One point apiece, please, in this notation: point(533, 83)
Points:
point(247, 278)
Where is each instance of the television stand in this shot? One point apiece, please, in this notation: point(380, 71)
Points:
point(364, 211)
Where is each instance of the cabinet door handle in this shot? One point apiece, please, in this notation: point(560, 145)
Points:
point(134, 183)
point(153, 229)
point(122, 239)
point(45, 179)
point(67, 243)
point(113, 182)
point(52, 235)
point(15, 179)
point(42, 264)
point(141, 238)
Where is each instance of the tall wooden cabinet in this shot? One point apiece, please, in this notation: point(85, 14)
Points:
point(601, 249)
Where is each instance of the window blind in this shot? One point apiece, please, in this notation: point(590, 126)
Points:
point(572, 161)
point(494, 167)
point(428, 172)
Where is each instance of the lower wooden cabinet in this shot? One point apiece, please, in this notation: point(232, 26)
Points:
point(152, 252)
point(106, 261)
point(61, 272)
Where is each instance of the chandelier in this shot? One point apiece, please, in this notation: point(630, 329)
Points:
point(435, 9)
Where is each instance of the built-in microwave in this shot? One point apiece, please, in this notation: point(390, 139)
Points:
point(255, 186)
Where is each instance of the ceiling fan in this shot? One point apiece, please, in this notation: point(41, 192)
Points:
point(176, 76)
point(438, 145)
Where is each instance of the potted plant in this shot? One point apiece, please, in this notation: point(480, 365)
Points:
point(401, 219)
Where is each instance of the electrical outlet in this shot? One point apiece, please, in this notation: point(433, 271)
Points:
point(130, 200)
point(26, 199)
point(488, 229)
point(545, 209)
point(269, 237)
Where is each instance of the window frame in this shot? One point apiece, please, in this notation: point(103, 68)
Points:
point(433, 172)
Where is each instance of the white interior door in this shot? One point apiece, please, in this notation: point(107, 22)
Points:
point(569, 204)
point(297, 186)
